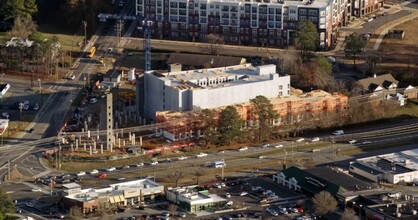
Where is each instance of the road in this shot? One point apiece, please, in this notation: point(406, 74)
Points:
point(50, 117)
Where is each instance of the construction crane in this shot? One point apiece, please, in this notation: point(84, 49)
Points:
point(144, 25)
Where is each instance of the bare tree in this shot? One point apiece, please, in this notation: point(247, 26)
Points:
point(324, 203)
point(23, 27)
point(76, 213)
point(214, 43)
point(349, 214)
point(172, 208)
point(198, 173)
point(177, 176)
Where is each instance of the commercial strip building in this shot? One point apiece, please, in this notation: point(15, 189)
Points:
point(382, 203)
point(314, 180)
point(250, 22)
point(120, 194)
point(392, 168)
point(293, 108)
point(209, 88)
point(193, 198)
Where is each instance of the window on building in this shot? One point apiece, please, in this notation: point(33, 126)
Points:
point(292, 11)
point(280, 87)
point(313, 12)
point(254, 9)
point(271, 10)
point(302, 11)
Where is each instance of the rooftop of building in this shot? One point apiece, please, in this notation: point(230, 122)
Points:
point(341, 178)
point(112, 190)
point(395, 205)
point(195, 194)
point(218, 77)
point(395, 163)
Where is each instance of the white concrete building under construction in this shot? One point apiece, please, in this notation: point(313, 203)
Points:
point(210, 88)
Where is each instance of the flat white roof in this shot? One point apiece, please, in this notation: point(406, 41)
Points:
point(218, 77)
point(396, 163)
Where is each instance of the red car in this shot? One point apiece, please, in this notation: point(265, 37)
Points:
point(102, 176)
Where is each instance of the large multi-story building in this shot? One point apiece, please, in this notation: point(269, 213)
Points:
point(210, 88)
point(248, 22)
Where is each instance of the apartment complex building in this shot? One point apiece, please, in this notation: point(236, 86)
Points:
point(209, 88)
point(249, 22)
point(296, 107)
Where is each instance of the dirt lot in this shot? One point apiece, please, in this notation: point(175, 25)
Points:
point(401, 55)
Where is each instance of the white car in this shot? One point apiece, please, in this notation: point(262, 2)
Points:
point(300, 139)
point(121, 178)
point(201, 155)
point(5, 115)
point(265, 145)
point(36, 190)
point(94, 171)
point(366, 142)
point(243, 149)
point(261, 157)
point(243, 193)
point(338, 132)
point(26, 102)
point(229, 203)
point(81, 173)
point(182, 158)
point(217, 185)
point(93, 100)
point(36, 107)
point(72, 77)
point(278, 146)
point(139, 164)
point(110, 169)
point(227, 195)
point(154, 163)
point(352, 141)
point(315, 139)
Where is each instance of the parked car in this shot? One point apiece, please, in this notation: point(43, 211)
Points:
point(243, 193)
point(36, 107)
point(272, 212)
point(227, 195)
point(154, 163)
point(71, 77)
point(94, 171)
point(93, 100)
point(229, 203)
point(5, 115)
point(102, 176)
point(121, 178)
point(338, 132)
point(181, 214)
point(36, 190)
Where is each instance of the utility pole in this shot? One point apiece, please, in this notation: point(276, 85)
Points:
point(85, 32)
point(8, 169)
point(222, 176)
point(40, 90)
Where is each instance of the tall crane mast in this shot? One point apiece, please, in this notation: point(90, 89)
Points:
point(144, 25)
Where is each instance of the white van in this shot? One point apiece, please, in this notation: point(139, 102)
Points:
point(338, 132)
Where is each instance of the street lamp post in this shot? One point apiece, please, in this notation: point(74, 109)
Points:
point(40, 90)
